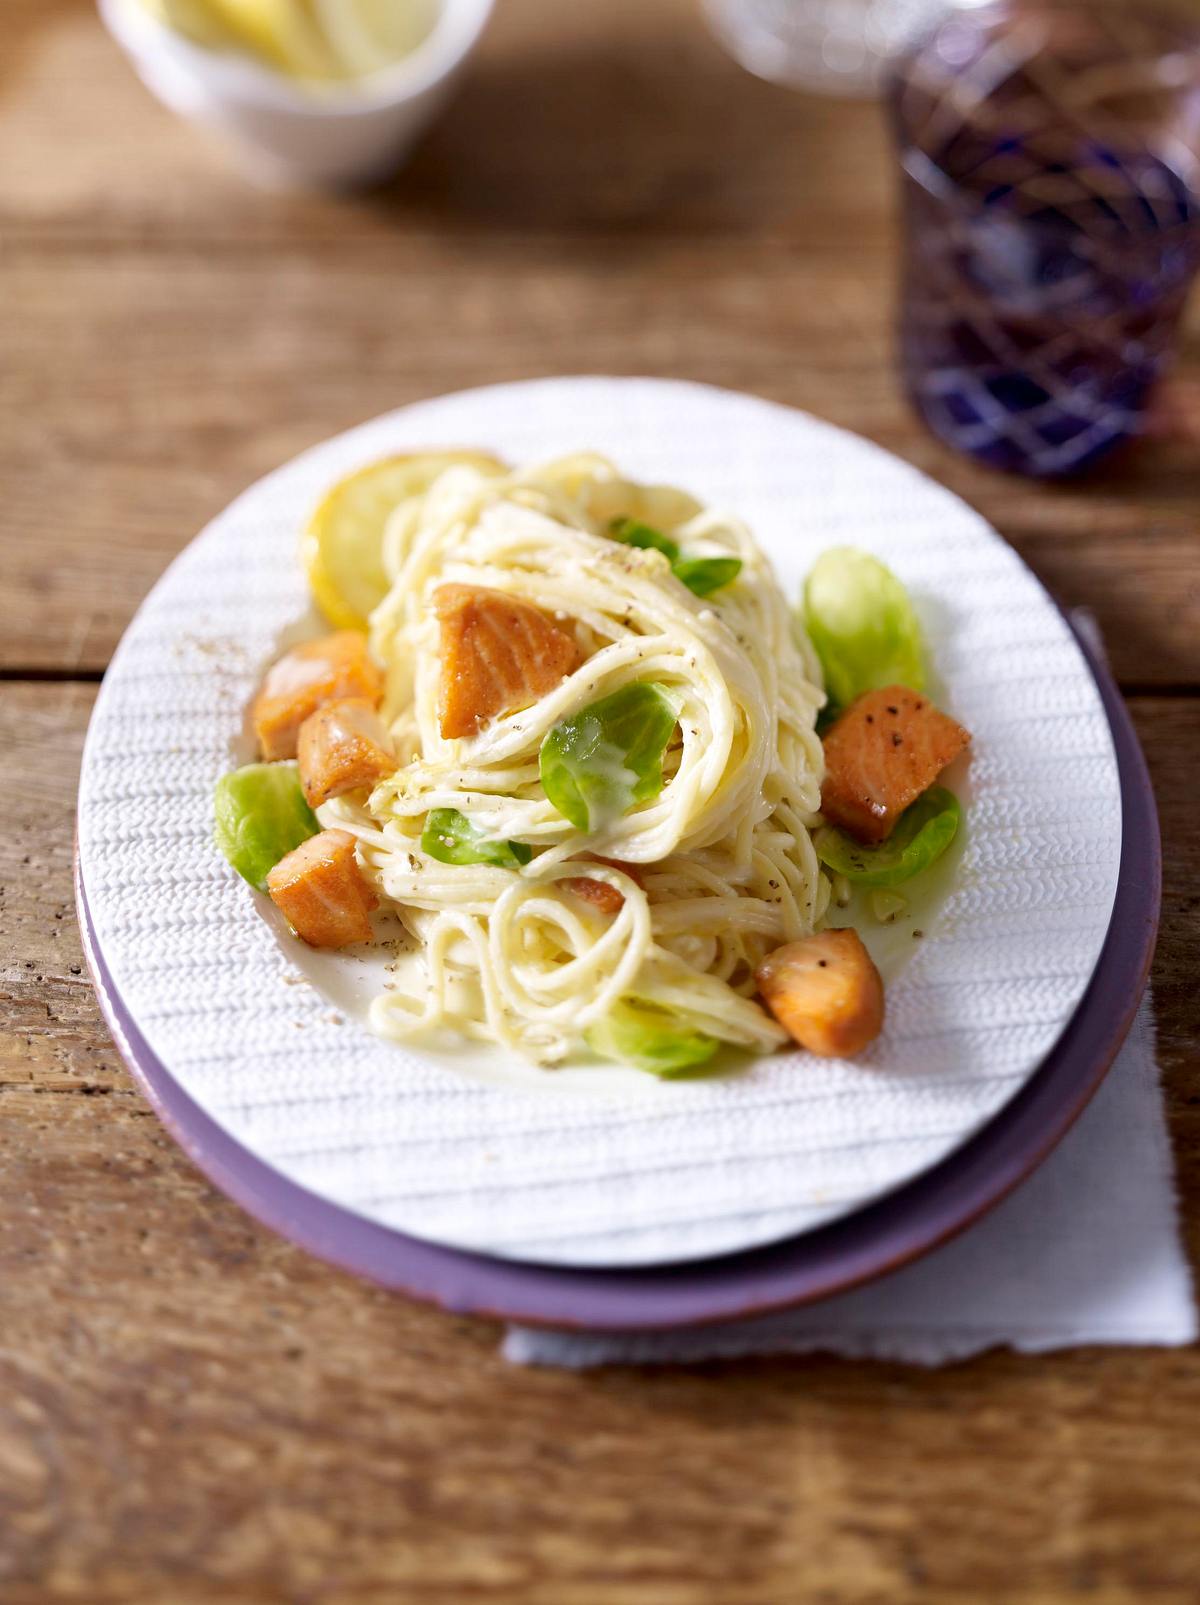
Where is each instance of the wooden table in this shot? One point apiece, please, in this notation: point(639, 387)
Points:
point(191, 1411)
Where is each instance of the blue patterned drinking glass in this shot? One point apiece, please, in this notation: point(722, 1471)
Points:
point(1051, 223)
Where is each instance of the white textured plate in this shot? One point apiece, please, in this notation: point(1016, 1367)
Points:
point(606, 1166)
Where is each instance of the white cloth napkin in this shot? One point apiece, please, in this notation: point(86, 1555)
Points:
point(1086, 1251)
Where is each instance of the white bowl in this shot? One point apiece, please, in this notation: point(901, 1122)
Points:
point(344, 134)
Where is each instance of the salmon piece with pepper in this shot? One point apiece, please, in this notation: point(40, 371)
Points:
point(342, 747)
point(321, 891)
point(602, 894)
point(885, 750)
point(303, 680)
point(499, 654)
point(825, 992)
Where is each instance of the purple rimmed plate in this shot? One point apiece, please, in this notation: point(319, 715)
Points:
point(855, 1249)
point(470, 1147)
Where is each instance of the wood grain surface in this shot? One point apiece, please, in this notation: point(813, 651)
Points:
point(191, 1411)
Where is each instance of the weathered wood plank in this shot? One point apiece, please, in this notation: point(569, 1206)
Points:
point(154, 425)
point(166, 425)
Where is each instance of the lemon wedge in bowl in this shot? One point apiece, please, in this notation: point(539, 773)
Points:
point(343, 544)
point(307, 39)
point(280, 33)
point(368, 35)
point(197, 20)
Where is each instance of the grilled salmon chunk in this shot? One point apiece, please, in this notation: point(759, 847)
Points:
point(499, 654)
point(886, 749)
point(321, 891)
point(306, 678)
point(602, 894)
point(342, 747)
point(825, 992)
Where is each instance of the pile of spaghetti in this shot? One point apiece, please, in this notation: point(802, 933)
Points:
point(681, 745)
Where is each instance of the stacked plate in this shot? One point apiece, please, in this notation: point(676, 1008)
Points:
point(617, 1201)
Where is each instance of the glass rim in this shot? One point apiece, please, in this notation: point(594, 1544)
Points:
point(1171, 74)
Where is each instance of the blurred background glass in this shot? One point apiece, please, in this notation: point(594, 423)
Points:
point(840, 47)
point(1051, 199)
point(1051, 223)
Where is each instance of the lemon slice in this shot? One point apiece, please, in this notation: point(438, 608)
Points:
point(343, 544)
point(197, 20)
point(367, 35)
point(279, 32)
